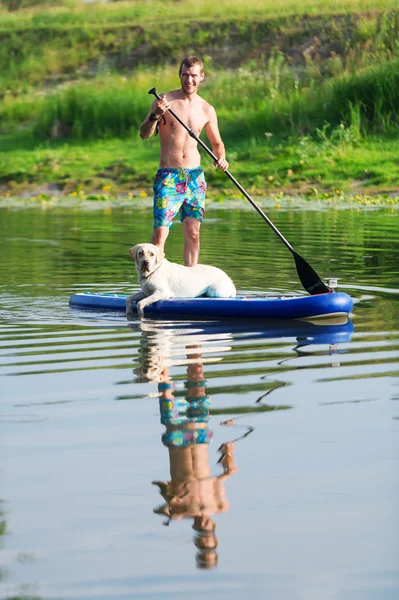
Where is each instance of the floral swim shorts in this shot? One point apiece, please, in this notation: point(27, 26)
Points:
point(178, 191)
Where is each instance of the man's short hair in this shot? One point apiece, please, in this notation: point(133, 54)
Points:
point(191, 61)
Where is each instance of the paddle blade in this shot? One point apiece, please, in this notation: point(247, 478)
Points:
point(309, 278)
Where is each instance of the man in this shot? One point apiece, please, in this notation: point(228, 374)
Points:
point(179, 184)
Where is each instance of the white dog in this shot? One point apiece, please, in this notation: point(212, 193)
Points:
point(160, 279)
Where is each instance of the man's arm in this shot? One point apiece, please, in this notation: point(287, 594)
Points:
point(212, 131)
point(157, 110)
point(148, 126)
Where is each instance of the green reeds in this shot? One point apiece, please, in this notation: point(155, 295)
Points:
point(112, 106)
point(375, 91)
point(115, 106)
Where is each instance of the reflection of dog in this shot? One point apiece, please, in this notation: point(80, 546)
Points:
point(160, 279)
point(165, 347)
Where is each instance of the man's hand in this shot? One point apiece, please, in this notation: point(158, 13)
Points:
point(161, 106)
point(227, 458)
point(222, 164)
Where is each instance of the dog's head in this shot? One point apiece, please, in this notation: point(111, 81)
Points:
point(147, 258)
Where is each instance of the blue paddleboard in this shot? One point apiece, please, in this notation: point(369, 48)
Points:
point(267, 307)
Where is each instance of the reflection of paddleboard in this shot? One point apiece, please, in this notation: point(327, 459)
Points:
point(268, 307)
point(305, 332)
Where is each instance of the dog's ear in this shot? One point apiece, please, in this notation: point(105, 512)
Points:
point(133, 251)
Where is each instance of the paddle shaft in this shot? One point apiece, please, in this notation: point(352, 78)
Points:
point(229, 175)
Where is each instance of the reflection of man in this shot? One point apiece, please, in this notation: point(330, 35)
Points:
point(192, 491)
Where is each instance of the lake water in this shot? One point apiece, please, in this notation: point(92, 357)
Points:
point(219, 460)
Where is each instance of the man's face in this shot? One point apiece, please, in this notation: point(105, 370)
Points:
point(190, 78)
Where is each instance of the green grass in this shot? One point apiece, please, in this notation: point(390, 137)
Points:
point(45, 51)
point(307, 94)
point(75, 12)
point(302, 152)
point(129, 166)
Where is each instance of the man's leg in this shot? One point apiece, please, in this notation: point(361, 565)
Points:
point(159, 236)
point(164, 205)
point(191, 233)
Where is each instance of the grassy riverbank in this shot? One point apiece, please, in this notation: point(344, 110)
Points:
point(122, 166)
point(306, 94)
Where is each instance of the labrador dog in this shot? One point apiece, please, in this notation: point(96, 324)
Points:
point(160, 279)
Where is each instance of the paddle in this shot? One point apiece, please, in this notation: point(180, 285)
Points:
point(308, 276)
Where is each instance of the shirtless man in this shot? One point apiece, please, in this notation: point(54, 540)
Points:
point(179, 184)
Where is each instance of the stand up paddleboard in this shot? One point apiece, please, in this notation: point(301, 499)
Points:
point(268, 307)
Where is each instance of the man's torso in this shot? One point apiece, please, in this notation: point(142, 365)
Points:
point(178, 148)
